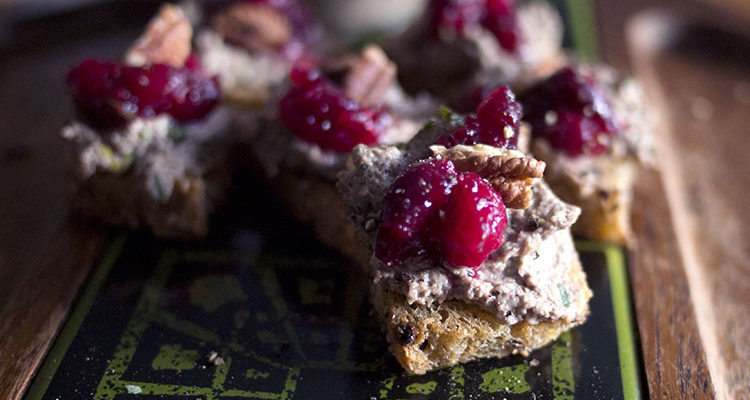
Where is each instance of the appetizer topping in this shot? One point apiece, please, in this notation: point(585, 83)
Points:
point(496, 123)
point(109, 94)
point(166, 40)
point(407, 207)
point(571, 111)
point(320, 113)
point(434, 212)
point(370, 77)
point(281, 26)
point(471, 222)
point(255, 26)
point(452, 17)
point(510, 172)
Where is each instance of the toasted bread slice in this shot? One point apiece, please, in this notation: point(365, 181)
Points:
point(528, 292)
point(316, 203)
point(167, 185)
point(601, 186)
point(427, 337)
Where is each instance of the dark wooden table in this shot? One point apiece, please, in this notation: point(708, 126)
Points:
point(689, 271)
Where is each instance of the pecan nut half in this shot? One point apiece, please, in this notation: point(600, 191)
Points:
point(165, 41)
point(369, 77)
point(254, 26)
point(511, 175)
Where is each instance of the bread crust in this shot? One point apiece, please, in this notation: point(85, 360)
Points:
point(316, 202)
point(426, 337)
point(120, 201)
point(605, 200)
point(423, 337)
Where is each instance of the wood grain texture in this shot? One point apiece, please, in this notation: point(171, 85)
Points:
point(707, 112)
point(45, 255)
point(699, 82)
point(38, 303)
point(672, 351)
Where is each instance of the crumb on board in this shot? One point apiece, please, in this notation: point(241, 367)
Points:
point(214, 359)
point(133, 389)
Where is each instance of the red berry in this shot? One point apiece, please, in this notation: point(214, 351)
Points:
point(576, 134)
point(434, 213)
point(497, 16)
point(471, 222)
point(407, 208)
point(501, 20)
point(571, 111)
point(320, 113)
point(496, 124)
point(110, 94)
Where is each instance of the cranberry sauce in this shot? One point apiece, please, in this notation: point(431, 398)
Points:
point(433, 212)
point(571, 111)
point(109, 94)
point(496, 123)
point(318, 112)
point(497, 16)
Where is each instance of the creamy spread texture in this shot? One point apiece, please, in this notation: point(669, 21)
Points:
point(241, 73)
point(536, 21)
point(527, 278)
point(157, 150)
point(276, 147)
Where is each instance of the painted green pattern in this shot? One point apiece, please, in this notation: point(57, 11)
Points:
point(291, 383)
point(111, 383)
point(74, 321)
point(255, 374)
point(457, 383)
point(563, 381)
point(314, 291)
point(506, 379)
point(421, 388)
point(619, 284)
point(625, 340)
point(387, 386)
point(173, 356)
point(213, 291)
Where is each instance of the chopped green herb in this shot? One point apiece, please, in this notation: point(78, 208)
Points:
point(429, 124)
point(106, 152)
point(159, 189)
point(176, 132)
point(449, 115)
point(564, 295)
point(122, 163)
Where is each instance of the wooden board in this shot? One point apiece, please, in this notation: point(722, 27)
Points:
point(42, 265)
point(692, 57)
point(705, 175)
